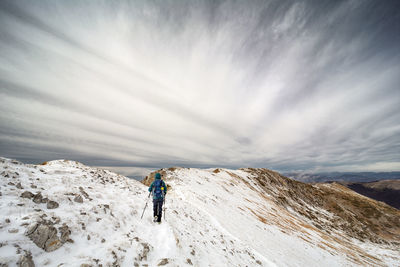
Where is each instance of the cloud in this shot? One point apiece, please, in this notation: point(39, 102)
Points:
point(267, 84)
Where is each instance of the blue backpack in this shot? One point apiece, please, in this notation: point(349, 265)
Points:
point(158, 193)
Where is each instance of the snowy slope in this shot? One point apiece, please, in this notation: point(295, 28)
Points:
point(213, 218)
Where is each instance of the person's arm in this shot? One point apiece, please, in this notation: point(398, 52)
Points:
point(151, 187)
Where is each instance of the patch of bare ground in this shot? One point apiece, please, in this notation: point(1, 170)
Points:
point(335, 212)
point(331, 208)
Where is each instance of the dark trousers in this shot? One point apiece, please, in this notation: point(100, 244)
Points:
point(157, 208)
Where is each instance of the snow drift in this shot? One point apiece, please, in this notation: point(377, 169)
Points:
point(65, 213)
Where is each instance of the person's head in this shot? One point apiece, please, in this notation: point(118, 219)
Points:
point(158, 176)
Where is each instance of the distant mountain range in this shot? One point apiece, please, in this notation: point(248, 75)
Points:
point(387, 191)
point(343, 176)
point(381, 186)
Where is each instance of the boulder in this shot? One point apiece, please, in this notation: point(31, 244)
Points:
point(52, 204)
point(78, 199)
point(38, 198)
point(27, 194)
point(13, 231)
point(44, 236)
point(163, 262)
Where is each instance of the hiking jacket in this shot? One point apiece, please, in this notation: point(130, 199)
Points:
point(163, 185)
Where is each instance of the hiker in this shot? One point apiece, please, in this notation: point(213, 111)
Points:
point(159, 190)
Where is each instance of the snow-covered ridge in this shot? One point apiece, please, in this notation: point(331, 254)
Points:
point(247, 217)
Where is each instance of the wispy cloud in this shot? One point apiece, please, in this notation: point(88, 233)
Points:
point(279, 84)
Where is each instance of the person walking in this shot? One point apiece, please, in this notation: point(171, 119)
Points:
point(159, 190)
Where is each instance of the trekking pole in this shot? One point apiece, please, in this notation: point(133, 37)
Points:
point(145, 205)
point(164, 206)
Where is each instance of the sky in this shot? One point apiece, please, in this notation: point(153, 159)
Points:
point(285, 85)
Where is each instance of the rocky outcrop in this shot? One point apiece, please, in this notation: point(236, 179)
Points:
point(39, 199)
point(44, 235)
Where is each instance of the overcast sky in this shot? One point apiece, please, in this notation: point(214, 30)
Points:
point(286, 85)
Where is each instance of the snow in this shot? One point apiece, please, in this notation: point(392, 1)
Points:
point(211, 220)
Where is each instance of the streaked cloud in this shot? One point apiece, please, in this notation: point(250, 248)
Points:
point(279, 84)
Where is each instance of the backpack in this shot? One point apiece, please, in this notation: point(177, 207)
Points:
point(158, 192)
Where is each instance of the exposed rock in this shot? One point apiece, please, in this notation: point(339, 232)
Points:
point(65, 232)
point(189, 261)
point(44, 236)
point(45, 200)
point(44, 215)
point(38, 198)
point(19, 250)
point(146, 249)
point(31, 229)
point(78, 199)
point(103, 240)
point(7, 220)
point(86, 195)
point(11, 183)
point(85, 265)
point(19, 186)
point(163, 262)
point(27, 194)
point(56, 220)
point(52, 204)
point(13, 231)
point(26, 260)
